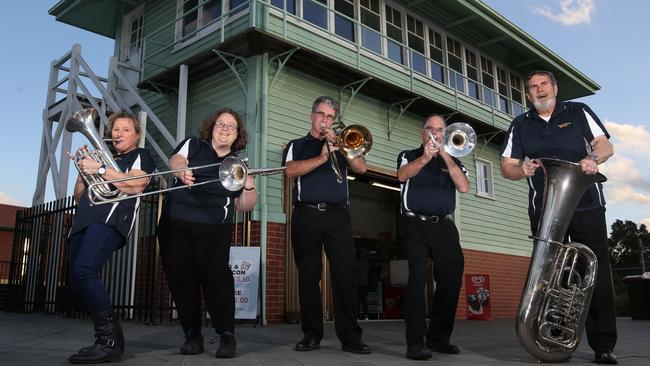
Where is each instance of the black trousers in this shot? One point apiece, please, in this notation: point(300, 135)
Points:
point(590, 228)
point(440, 242)
point(312, 230)
point(195, 258)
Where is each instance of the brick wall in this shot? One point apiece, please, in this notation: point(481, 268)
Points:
point(507, 276)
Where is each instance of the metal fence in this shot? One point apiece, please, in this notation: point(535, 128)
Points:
point(38, 274)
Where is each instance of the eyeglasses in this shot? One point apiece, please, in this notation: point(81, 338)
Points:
point(324, 115)
point(433, 129)
point(224, 126)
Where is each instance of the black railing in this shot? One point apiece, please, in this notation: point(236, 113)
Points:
point(37, 277)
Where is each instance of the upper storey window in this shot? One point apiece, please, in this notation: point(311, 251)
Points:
point(415, 30)
point(197, 15)
point(371, 20)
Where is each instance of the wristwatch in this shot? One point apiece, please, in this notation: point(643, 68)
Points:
point(102, 169)
point(593, 157)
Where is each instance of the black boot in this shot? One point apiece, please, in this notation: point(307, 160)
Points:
point(193, 342)
point(109, 343)
point(227, 345)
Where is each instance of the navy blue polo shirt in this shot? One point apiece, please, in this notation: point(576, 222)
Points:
point(565, 136)
point(319, 185)
point(120, 215)
point(210, 203)
point(431, 191)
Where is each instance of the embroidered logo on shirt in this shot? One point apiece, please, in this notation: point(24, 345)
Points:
point(565, 124)
point(444, 170)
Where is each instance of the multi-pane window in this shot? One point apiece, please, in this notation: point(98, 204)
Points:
point(516, 94)
point(436, 54)
point(455, 59)
point(484, 183)
point(371, 29)
point(135, 38)
point(344, 26)
point(315, 12)
point(198, 14)
point(415, 31)
point(487, 73)
point(291, 5)
point(504, 104)
point(394, 33)
point(473, 82)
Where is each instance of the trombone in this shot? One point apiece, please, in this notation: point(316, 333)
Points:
point(459, 139)
point(353, 141)
point(232, 175)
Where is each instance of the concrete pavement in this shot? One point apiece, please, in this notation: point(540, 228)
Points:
point(37, 339)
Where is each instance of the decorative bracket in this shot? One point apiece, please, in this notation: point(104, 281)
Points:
point(486, 137)
point(233, 61)
point(354, 88)
point(281, 60)
point(403, 106)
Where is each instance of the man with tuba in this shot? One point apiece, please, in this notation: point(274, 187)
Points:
point(321, 219)
point(569, 131)
point(429, 178)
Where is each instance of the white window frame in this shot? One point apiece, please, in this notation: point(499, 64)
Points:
point(178, 28)
point(479, 164)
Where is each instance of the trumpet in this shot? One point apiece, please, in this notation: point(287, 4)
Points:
point(459, 139)
point(232, 175)
point(353, 141)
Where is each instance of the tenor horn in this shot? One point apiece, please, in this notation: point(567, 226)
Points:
point(83, 121)
point(555, 301)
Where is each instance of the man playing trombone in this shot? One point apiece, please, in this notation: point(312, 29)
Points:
point(321, 219)
point(429, 178)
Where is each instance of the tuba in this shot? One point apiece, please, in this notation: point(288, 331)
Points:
point(353, 141)
point(83, 121)
point(459, 139)
point(553, 307)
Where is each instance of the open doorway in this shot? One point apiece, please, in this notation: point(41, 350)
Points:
point(382, 270)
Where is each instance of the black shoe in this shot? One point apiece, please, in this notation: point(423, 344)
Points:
point(307, 344)
point(227, 345)
point(418, 351)
point(109, 343)
point(443, 347)
point(193, 342)
point(358, 347)
point(606, 358)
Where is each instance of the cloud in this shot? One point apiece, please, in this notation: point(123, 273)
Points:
point(627, 191)
point(572, 12)
point(7, 200)
point(645, 221)
point(629, 138)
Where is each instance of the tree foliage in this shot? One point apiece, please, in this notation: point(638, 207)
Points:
point(624, 248)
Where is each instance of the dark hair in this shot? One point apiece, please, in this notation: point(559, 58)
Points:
point(540, 72)
point(124, 114)
point(206, 128)
point(434, 115)
point(326, 100)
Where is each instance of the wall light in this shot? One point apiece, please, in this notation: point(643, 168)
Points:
point(381, 185)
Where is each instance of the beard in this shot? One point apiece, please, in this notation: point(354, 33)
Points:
point(550, 102)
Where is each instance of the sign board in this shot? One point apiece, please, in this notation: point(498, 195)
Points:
point(245, 266)
point(477, 290)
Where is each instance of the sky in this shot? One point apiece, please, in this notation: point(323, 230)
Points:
point(602, 38)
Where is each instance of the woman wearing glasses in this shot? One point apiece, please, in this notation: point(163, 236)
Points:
point(195, 231)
